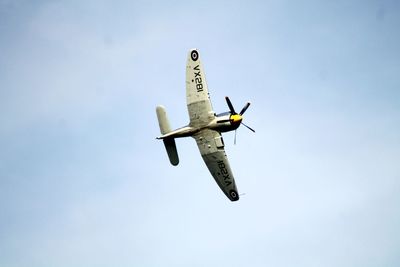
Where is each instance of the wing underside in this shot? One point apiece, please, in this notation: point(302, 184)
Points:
point(211, 146)
point(197, 97)
point(210, 142)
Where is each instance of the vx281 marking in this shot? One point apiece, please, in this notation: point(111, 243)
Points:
point(198, 79)
point(224, 172)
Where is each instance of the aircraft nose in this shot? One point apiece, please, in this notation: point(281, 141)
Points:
point(236, 118)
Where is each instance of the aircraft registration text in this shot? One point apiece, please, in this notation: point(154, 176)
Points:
point(198, 79)
point(224, 172)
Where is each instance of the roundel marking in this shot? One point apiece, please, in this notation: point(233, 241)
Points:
point(233, 194)
point(194, 55)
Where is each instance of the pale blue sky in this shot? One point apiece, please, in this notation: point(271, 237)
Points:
point(83, 182)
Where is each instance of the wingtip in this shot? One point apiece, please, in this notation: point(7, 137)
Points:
point(233, 195)
point(193, 54)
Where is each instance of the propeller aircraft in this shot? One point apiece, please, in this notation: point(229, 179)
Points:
point(205, 127)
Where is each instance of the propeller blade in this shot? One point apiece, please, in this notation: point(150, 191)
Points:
point(248, 128)
point(234, 142)
point(228, 101)
point(244, 108)
point(222, 121)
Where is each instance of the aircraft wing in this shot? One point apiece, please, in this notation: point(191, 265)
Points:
point(211, 146)
point(197, 98)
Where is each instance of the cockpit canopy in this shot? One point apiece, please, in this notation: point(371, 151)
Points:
point(224, 114)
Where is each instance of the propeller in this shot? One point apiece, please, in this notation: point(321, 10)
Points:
point(232, 109)
point(234, 140)
point(244, 108)
point(233, 112)
point(249, 128)
point(228, 101)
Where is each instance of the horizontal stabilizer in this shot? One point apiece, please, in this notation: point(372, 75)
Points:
point(163, 120)
point(172, 152)
point(169, 142)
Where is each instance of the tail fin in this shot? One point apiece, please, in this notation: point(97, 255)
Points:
point(165, 128)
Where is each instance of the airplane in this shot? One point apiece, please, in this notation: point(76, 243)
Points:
point(205, 127)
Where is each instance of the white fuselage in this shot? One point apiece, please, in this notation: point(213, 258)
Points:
point(221, 124)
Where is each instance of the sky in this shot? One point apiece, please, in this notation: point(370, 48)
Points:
point(84, 182)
